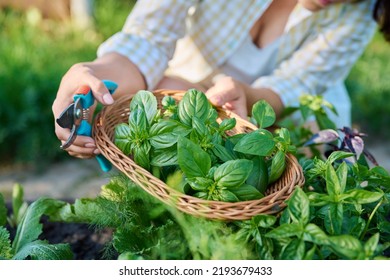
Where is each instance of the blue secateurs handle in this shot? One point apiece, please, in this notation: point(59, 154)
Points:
point(85, 129)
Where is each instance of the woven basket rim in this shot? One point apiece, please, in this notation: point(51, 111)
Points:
point(271, 203)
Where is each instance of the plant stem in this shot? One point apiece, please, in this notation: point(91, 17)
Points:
point(369, 219)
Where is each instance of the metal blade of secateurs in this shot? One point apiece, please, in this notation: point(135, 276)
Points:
point(66, 119)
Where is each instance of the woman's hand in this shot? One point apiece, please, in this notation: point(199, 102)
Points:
point(229, 94)
point(78, 75)
point(112, 66)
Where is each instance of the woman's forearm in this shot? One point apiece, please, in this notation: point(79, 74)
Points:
point(255, 94)
point(119, 69)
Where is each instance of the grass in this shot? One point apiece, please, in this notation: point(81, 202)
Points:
point(36, 53)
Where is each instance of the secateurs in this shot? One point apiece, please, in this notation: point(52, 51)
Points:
point(75, 117)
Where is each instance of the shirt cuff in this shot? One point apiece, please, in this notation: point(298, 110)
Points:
point(148, 58)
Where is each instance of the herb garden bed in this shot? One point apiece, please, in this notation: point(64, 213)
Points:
point(85, 241)
point(341, 212)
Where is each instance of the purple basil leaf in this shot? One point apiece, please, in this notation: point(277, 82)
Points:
point(358, 145)
point(323, 136)
point(351, 160)
point(347, 141)
point(370, 157)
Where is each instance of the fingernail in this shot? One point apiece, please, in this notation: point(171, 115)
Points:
point(108, 99)
point(90, 145)
point(96, 152)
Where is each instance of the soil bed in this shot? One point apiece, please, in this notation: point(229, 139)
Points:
point(86, 242)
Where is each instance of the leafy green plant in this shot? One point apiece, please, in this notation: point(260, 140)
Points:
point(188, 140)
point(26, 243)
point(341, 213)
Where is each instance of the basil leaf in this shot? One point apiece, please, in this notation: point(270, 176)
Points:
point(354, 225)
point(169, 105)
point(176, 181)
point(337, 155)
point(141, 155)
point(333, 186)
point(299, 206)
point(371, 245)
point(323, 136)
point(147, 102)
point(259, 143)
point(193, 104)
point(200, 183)
point(227, 124)
point(165, 157)
point(263, 113)
point(165, 133)
point(168, 101)
point(163, 126)
point(334, 218)
point(192, 159)
point(199, 126)
point(123, 138)
point(346, 245)
point(228, 196)
point(323, 121)
point(285, 135)
point(294, 250)
point(264, 221)
point(310, 253)
point(278, 165)
point(233, 173)
point(318, 199)
point(285, 230)
point(259, 175)
point(247, 192)
point(342, 174)
point(222, 153)
point(211, 172)
point(212, 117)
point(164, 140)
point(201, 195)
point(315, 234)
point(363, 196)
point(234, 139)
point(138, 123)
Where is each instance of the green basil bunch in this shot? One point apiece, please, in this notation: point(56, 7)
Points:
point(185, 146)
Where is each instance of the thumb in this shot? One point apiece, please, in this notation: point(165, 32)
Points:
point(215, 96)
point(100, 91)
point(220, 97)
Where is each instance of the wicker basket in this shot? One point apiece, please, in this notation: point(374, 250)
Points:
point(273, 202)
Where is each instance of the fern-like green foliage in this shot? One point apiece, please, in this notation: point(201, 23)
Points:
point(147, 229)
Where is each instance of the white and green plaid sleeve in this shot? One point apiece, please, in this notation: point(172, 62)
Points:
point(149, 36)
point(323, 60)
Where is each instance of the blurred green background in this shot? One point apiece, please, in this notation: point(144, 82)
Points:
point(36, 53)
